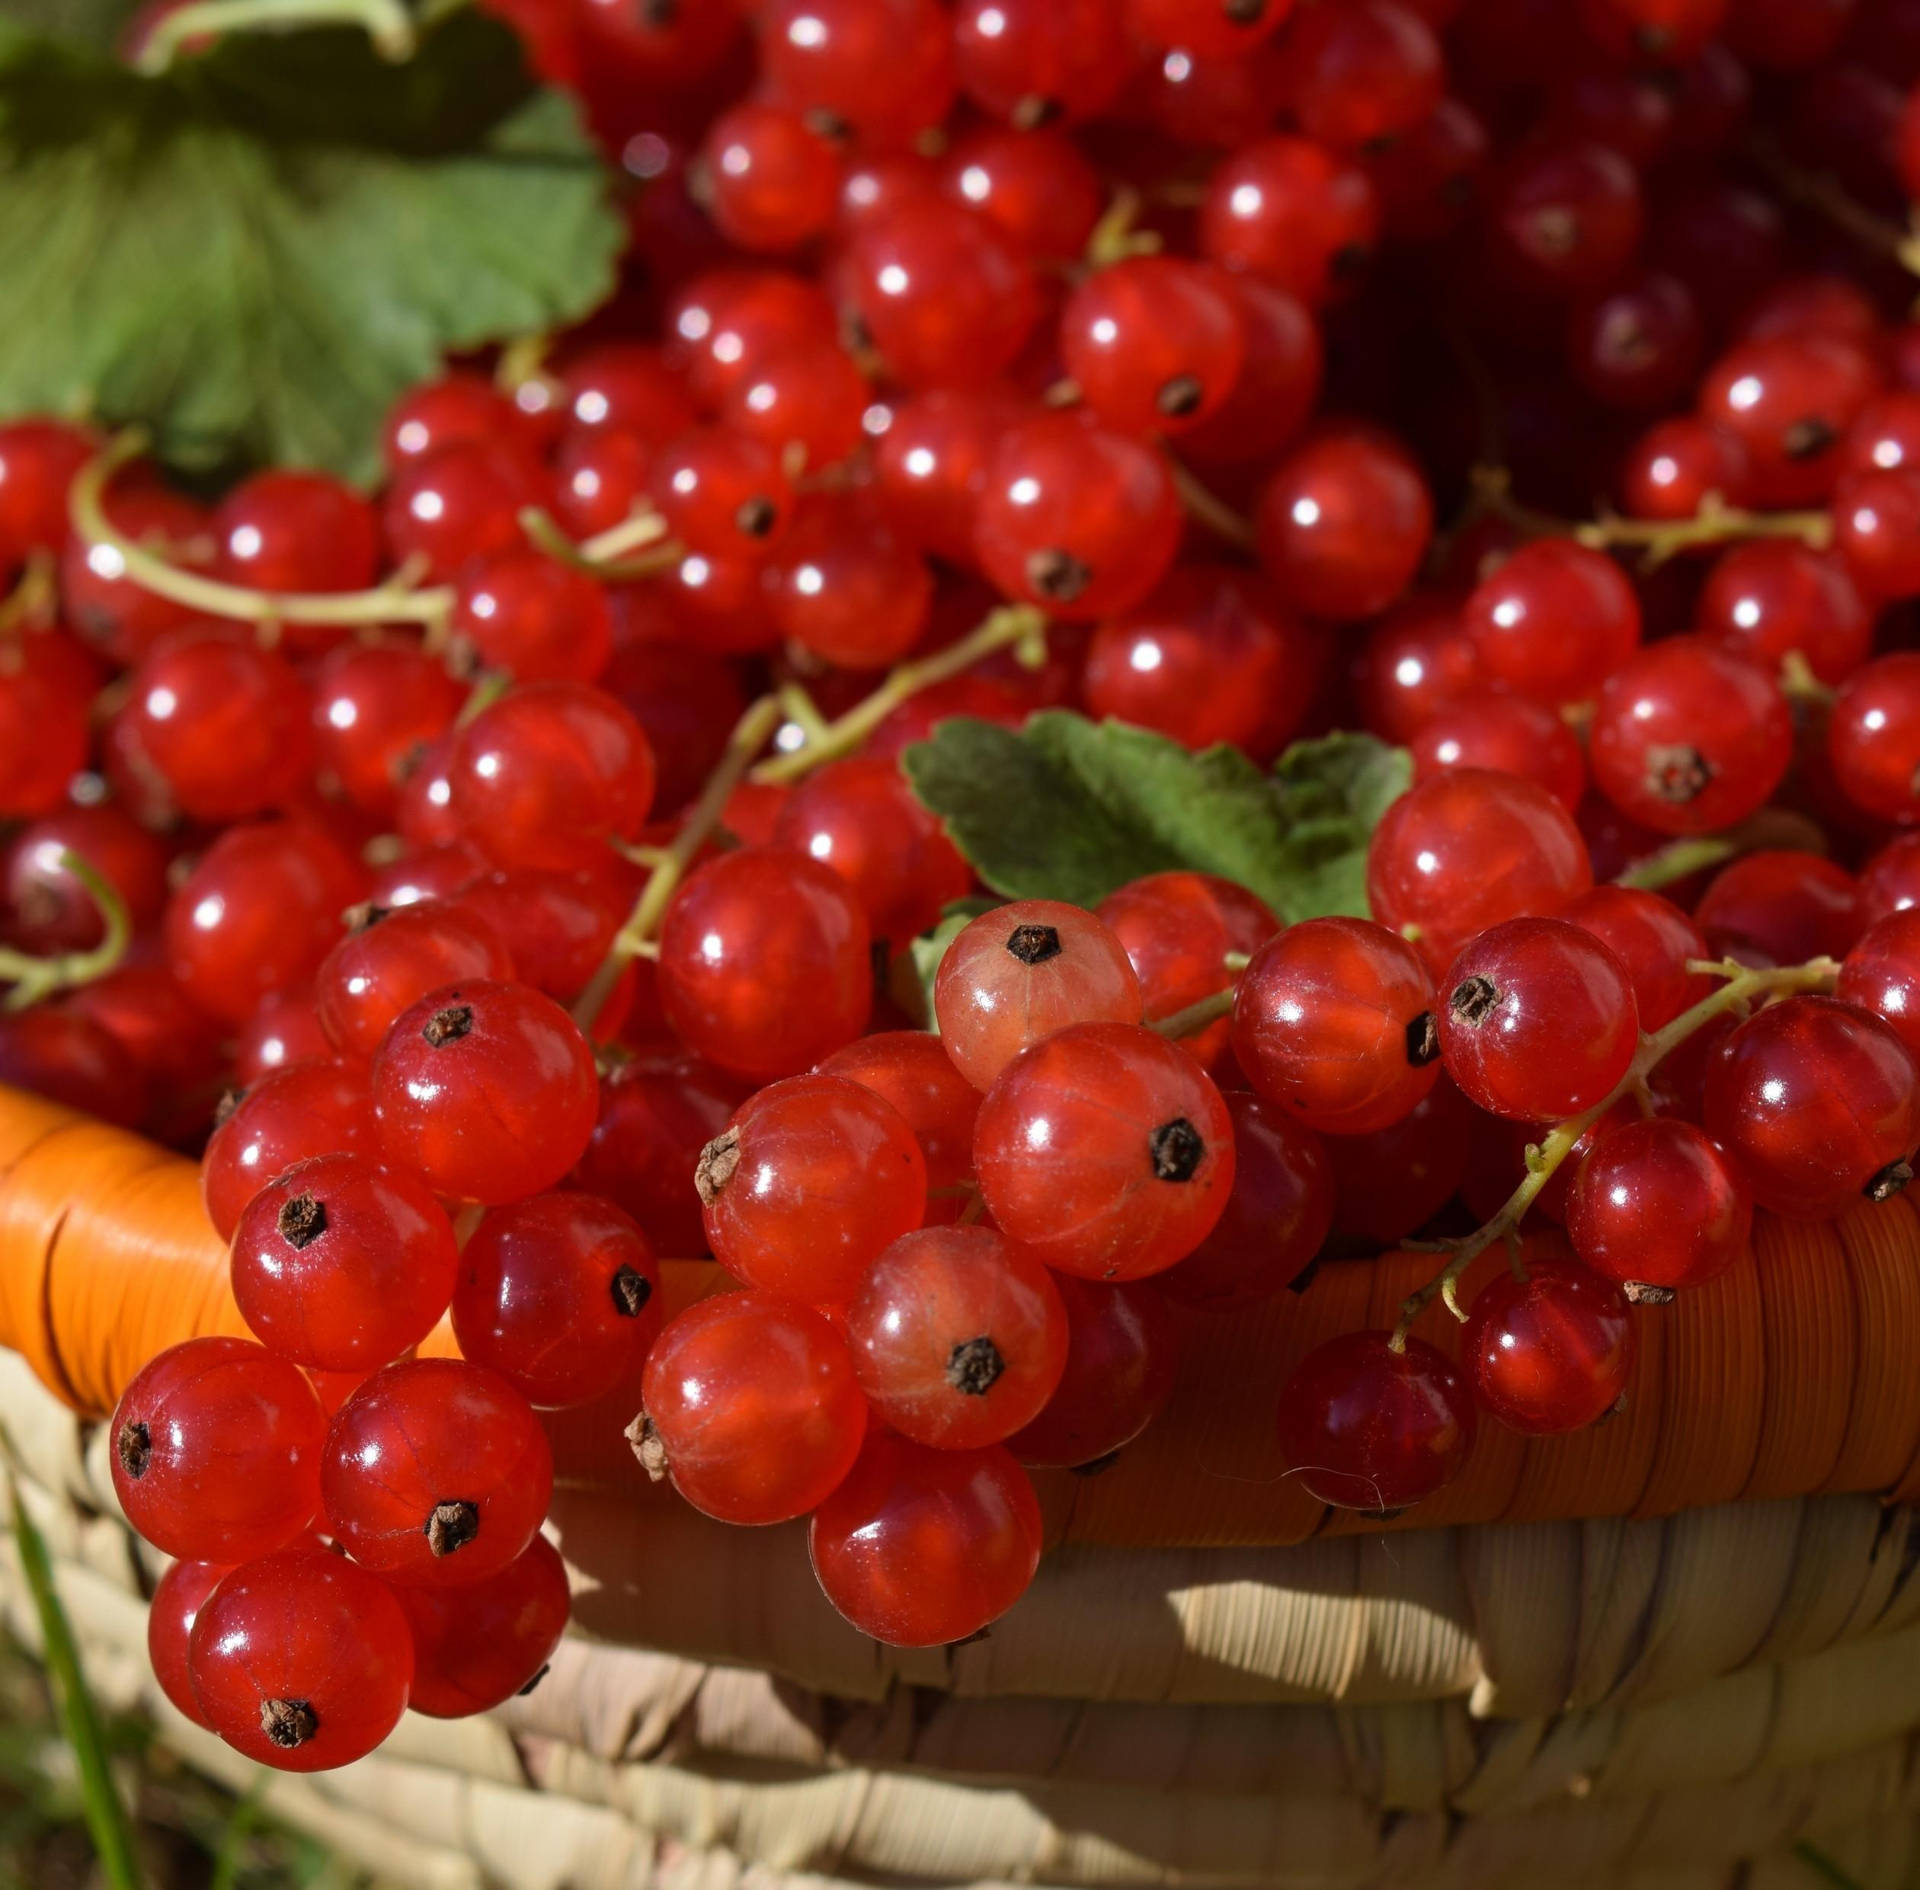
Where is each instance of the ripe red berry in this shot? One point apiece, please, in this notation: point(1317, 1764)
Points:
point(1123, 1351)
point(921, 1548)
point(846, 589)
point(1876, 529)
point(1563, 218)
point(71, 1059)
point(216, 1451)
point(1676, 463)
point(1106, 1151)
point(1553, 621)
point(487, 1090)
point(1789, 402)
point(1390, 1184)
point(46, 696)
point(1416, 660)
point(286, 530)
point(1036, 186)
point(1772, 597)
point(560, 1296)
point(1537, 1020)
point(1508, 734)
point(1365, 1427)
point(178, 1597)
point(459, 502)
point(958, 1338)
point(1292, 213)
point(301, 1661)
point(879, 70)
point(1636, 344)
point(460, 408)
point(475, 1647)
point(910, 1070)
point(1777, 907)
point(1361, 74)
point(1689, 738)
point(764, 964)
point(751, 1407)
point(1551, 1352)
point(534, 617)
point(1469, 849)
point(288, 1116)
point(1873, 737)
point(436, 1472)
point(38, 459)
point(1020, 973)
point(1882, 974)
point(341, 1264)
point(1653, 939)
point(814, 1178)
point(1154, 343)
point(1890, 881)
point(1659, 1204)
point(376, 707)
point(1038, 61)
point(105, 606)
point(767, 178)
point(48, 909)
point(721, 324)
point(1815, 1101)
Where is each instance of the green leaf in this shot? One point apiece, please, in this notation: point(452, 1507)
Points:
point(84, 22)
point(911, 979)
point(256, 251)
point(1071, 809)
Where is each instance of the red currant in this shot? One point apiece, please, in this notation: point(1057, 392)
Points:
point(1658, 1204)
point(1882, 975)
point(1553, 622)
point(475, 1647)
point(1780, 908)
point(1550, 1352)
point(1873, 737)
point(1292, 213)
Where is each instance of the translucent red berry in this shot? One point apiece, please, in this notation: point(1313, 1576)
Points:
point(1551, 1352)
point(1154, 343)
point(1658, 1203)
point(288, 1116)
point(1123, 1351)
point(178, 1597)
point(1553, 621)
point(1292, 213)
point(1780, 907)
point(1873, 737)
point(475, 1647)
point(1653, 939)
point(1882, 974)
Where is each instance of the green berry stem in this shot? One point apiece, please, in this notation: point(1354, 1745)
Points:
point(1545, 1156)
point(1204, 508)
point(33, 979)
point(386, 22)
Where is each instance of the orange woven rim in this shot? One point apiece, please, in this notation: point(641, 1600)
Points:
point(1791, 1374)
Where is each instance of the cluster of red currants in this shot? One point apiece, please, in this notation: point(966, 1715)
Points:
point(1120, 313)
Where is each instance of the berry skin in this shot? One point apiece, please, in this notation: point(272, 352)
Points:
point(288, 1116)
point(922, 1548)
point(105, 607)
point(48, 909)
point(1659, 1204)
point(751, 1403)
point(1415, 661)
point(1022, 972)
point(1789, 402)
point(70, 1059)
point(1154, 343)
point(930, 466)
point(1390, 1184)
point(1882, 975)
point(1688, 738)
point(436, 1473)
point(460, 502)
point(1637, 344)
point(1537, 1021)
point(458, 409)
point(1770, 597)
point(475, 1647)
point(376, 707)
point(1177, 929)
point(1553, 622)
point(1873, 737)
point(722, 493)
point(1890, 881)
point(546, 774)
point(216, 1451)
point(1105, 1151)
point(1343, 523)
point(342, 1265)
point(764, 964)
point(1036, 62)
point(910, 1070)
point(178, 1597)
point(1279, 382)
point(1508, 734)
point(810, 397)
point(721, 324)
point(958, 1339)
point(38, 459)
point(1469, 849)
point(301, 1661)
point(1293, 214)
point(768, 180)
point(1365, 1427)
point(296, 531)
point(46, 694)
point(1334, 1023)
point(1653, 939)
point(1073, 518)
point(1361, 73)
point(1672, 32)
point(487, 1090)
point(1564, 219)
point(560, 1296)
point(1549, 1353)
point(811, 1182)
point(1204, 27)
point(1123, 1352)
point(1036, 186)
point(847, 590)
point(1876, 528)
point(1277, 1216)
point(534, 617)
point(1777, 907)
point(1815, 1102)
point(1674, 465)
point(393, 961)
point(880, 70)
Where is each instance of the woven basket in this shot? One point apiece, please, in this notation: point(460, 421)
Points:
point(1661, 1654)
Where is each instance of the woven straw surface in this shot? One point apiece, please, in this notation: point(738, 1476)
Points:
point(1632, 1682)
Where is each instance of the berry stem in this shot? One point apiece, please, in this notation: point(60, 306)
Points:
point(1011, 624)
point(603, 555)
point(396, 601)
point(1114, 238)
point(750, 734)
point(1205, 509)
point(1545, 1156)
point(1820, 192)
point(1197, 1016)
point(1715, 523)
point(386, 23)
point(35, 978)
point(32, 599)
point(1681, 859)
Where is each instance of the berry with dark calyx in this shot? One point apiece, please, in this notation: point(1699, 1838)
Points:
point(1653, 939)
point(1636, 344)
point(476, 1647)
point(810, 1183)
point(1037, 62)
point(1779, 907)
point(1689, 738)
point(1537, 1020)
point(1882, 974)
point(1815, 1101)
point(1333, 1022)
point(879, 70)
point(958, 1338)
point(1020, 973)
point(1469, 849)
point(560, 1296)
point(391, 960)
point(722, 493)
point(922, 1548)
point(1563, 218)
point(376, 707)
point(1553, 621)
point(764, 964)
point(1365, 1427)
point(1873, 737)
point(216, 1448)
point(178, 1597)
point(301, 1661)
point(1277, 1216)
point(1077, 520)
point(1551, 1352)
point(533, 617)
point(1105, 1151)
point(341, 1264)
point(288, 1116)
point(1215, 29)
point(1123, 1351)
point(487, 1090)
point(1789, 402)
point(751, 1407)
point(1658, 1204)
point(1292, 213)
point(435, 1473)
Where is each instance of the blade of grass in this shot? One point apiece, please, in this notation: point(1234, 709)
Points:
point(233, 1840)
point(1823, 1866)
point(106, 1816)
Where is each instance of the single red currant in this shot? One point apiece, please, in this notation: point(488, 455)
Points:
point(1658, 1204)
point(1653, 939)
point(1123, 1352)
point(1550, 1352)
point(1873, 737)
point(178, 1597)
point(290, 1115)
point(1882, 974)
point(1553, 621)
point(475, 1648)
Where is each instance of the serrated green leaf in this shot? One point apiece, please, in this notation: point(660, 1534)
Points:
point(1070, 809)
point(914, 970)
point(256, 251)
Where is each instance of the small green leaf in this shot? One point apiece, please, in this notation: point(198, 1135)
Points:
point(255, 251)
point(911, 983)
point(1071, 809)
